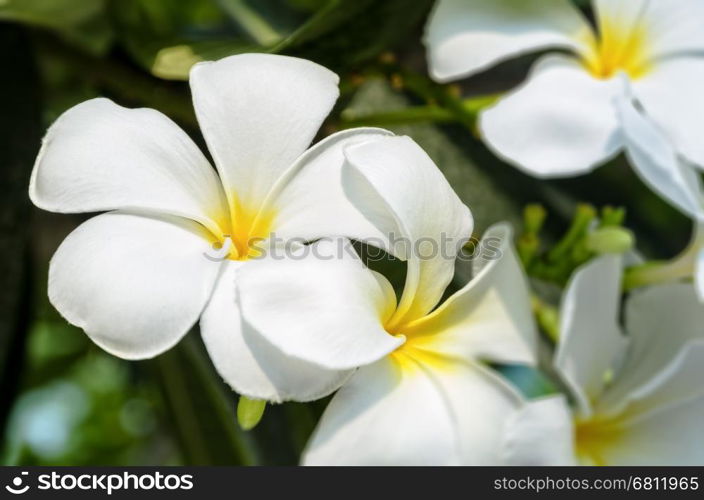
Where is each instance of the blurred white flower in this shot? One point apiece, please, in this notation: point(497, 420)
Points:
point(675, 179)
point(563, 119)
point(431, 400)
point(137, 278)
point(638, 397)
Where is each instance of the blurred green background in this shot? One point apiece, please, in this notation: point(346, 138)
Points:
point(64, 401)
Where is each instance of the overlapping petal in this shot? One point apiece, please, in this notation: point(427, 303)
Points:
point(591, 342)
point(370, 422)
point(467, 36)
point(135, 284)
point(660, 368)
point(671, 94)
point(320, 305)
point(314, 182)
point(482, 404)
point(491, 317)
point(391, 414)
point(540, 433)
point(248, 362)
point(658, 164)
point(394, 183)
point(672, 436)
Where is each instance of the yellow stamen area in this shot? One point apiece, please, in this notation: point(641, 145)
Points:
point(409, 358)
point(420, 349)
point(594, 436)
point(618, 47)
point(247, 227)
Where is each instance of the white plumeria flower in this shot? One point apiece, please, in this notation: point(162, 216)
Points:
point(563, 119)
point(638, 397)
point(429, 400)
point(138, 277)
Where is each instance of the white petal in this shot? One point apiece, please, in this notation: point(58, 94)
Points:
point(561, 122)
point(135, 284)
point(258, 113)
point(678, 381)
point(310, 202)
point(664, 324)
point(394, 183)
point(658, 164)
point(384, 416)
point(467, 36)
point(672, 95)
point(100, 156)
point(671, 436)
point(591, 342)
point(482, 404)
point(402, 411)
point(670, 27)
point(491, 317)
point(250, 364)
point(321, 305)
point(541, 433)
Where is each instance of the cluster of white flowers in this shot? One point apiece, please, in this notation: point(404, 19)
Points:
point(413, 374)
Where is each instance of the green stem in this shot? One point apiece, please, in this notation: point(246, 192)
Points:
point(682, 267)
point(258, 28)
point(582, 220)
point(465, 110)
point(445, 97)
point(182, 410)
point(548, 319)
point(657, 272)
point(242, 445)
point(405, 116)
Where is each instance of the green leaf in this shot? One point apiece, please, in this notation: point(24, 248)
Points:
point(81, 22)
point(257, 26)
point(327, 19)
point(339, 33)
point(250, 412)
point(146, 27)
point(175, 62)
point(347, 33)
point(202, 408)
point(55, 14)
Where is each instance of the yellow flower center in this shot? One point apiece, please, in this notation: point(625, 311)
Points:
point(594, 436)
point(618, 47)
point(420, 349)
point(247, 228)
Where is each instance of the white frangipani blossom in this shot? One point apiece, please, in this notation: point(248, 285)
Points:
point(563, 120)
point(638, 397)
point(138, 277)
point(431, 400)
